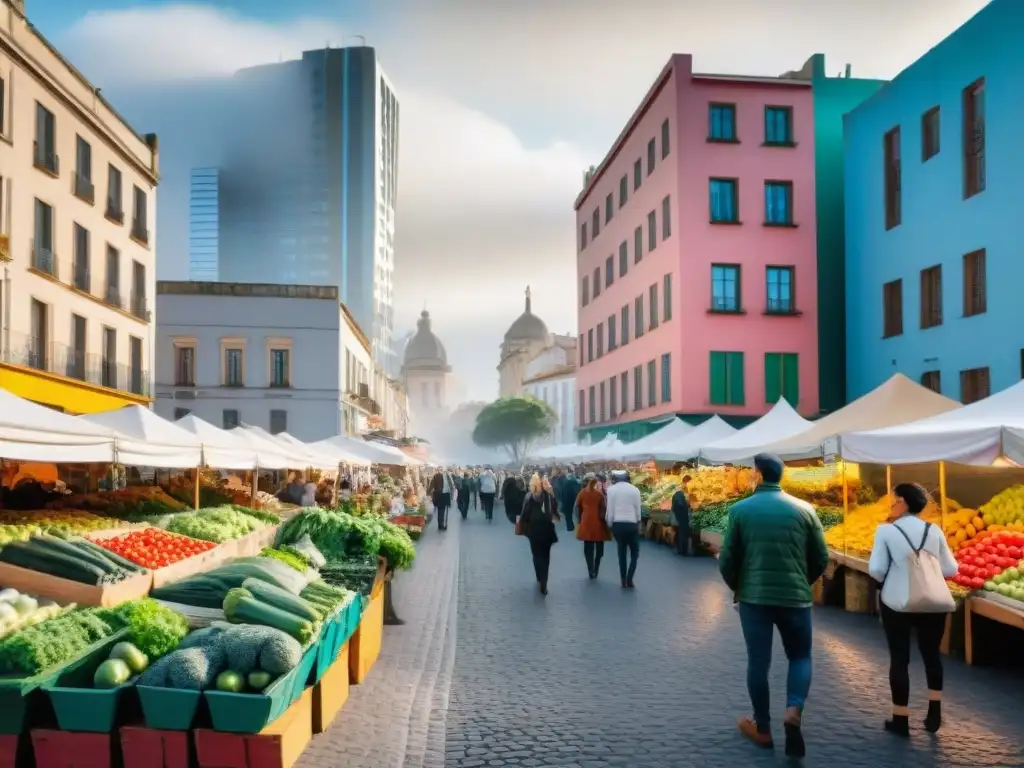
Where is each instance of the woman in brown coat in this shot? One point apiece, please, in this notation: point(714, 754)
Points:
point(591, 528)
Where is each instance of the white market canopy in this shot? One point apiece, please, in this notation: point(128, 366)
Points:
point(271, 455)
point(300, 453)
point(687, 445)
point(780, 423)
point(977, 434)
point(147, 440)
point(372, 452)
point(643, 449)
point(608, 448)
point(325, 459)
point(897, 401)
point(221, 448)
point(400, 457)
point(32, 432)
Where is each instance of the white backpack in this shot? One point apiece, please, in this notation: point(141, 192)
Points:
point(927, 591)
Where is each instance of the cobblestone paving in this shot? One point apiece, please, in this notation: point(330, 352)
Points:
point(594, 676)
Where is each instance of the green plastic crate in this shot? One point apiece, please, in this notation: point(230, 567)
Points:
point(327, 645)
point(168, 709)
point(252, 712)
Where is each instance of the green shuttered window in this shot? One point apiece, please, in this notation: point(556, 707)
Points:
point(782, 377)
point(727, 378)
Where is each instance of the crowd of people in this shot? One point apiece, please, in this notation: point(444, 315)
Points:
point(772, 553)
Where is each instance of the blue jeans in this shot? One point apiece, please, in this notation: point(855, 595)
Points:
point(759, 623)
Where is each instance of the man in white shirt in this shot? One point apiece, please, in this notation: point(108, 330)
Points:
point(488, 487)
point(623, 517)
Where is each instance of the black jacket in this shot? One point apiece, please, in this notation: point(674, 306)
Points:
point(538, 518)
point(681, 509)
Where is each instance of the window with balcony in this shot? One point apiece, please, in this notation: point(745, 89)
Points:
point(623, 190)
point(724, 201)
point(666, 378)
point(892, 179)
point(42, 246)
point(930, 134)
point(83, 186)
point(779, 286)
point(666, 297)
point(638, 317)
point(624, 388)
point(45, 148)
point(76, 357)
point(651, 154)
point(234, 371)
point(666, 218)
point(109, 358)
point(725, 288)
point(81, 269)
point(782, 377)
point(722, 122)
point(778, 203)
point(778, 126)
point(638, 244)
point(932, 380)
point(652, 231)
point(38, 352)
point(623, 258)
point(727, 378)
point(974, 138)
point(652, 298)
point(3, 108)
point(230, 418)
point(974, 385)
point(892, 309)
point(609, 271)
point(136, 367)
point(625, 325)
point(184, 365)
point(280, 367)
point(638, 175)
point(609, 207)
point(140, 216)
point(112, 295)
point(638, 387)
point(115, 195)
point(931, 296)
point(975, 284)
point(140, 307)
point(278, 421)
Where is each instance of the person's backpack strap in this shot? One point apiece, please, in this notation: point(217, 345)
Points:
point(915, 550)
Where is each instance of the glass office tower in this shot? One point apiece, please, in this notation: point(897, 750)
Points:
point(203, 223)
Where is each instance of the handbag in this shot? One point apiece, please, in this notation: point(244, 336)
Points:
point(927, 591)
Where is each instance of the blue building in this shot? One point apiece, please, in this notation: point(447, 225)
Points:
point(934, 224)
point(203, 223)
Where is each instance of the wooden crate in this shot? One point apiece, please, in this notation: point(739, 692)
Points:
point(65, 591)
point(857, 591)
point(66, 749)
point(279, 745)
point(331, 693)
point(364, 646)
point(149, 748)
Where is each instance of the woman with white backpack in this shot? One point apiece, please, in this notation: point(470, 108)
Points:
point(912, 561)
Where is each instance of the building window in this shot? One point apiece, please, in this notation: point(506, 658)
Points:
point(974, 385)
point(184, 366)
point(724, 201)
point(181, 413)
point(42, 246)
point(280, 367)
point(892, 309)
point(625, 325)
point(727, 378)
point(112, 295)
point(76, 358)
point(623, 190)
point(651, 152)
point(278, 422)
point(115, 196)
point(140, 216)
point(82, 279)
point(609, 271)
point(652, 231)
point(778, 203)
point(597, 282)
point(592, 413)
point(779, 282)
point(583, 235)
point(624, 387)
point(599, 332)
point(109, 356)
point(653, 308)
point(580, 346)
point(893, 170)
point(135, 365)
point(233, 371)
point(974, 138)
point(590, 345)
point(975, 284)
point(638, 387)
point(664, 139)
point(612, 339)
point(666, 298)
point(638, 317)
point(638, 244)
point(83, 187)
point(609, 204)
point(595, 223)
point(623, 258)
point(638, 175)
point(932, 380)
point(666, 378)
point(652, 385)
point(230, 418)
point(613, 399)
point(778, 126)
point(725, 288)
point(3, 108)
point(666, 218)
point(585, 291)
point(39, 342)
point(45, 155)
point(601, 401)
point(583, 406)
point(782, 377)
point(722, 122)
point(929, 134)
point(931, 296)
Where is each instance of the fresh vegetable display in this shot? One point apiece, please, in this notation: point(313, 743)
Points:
point(244, 606)
point(18, 610)
point(263, 515)
point(208, 590)
point(55, 641)
point(218, 524)
point(155, 629)
point(292, 558)
point(75, 560)
point(153, 548)
point(356, 574)
point(340, 535)
point(324, 598)
point(132, 503)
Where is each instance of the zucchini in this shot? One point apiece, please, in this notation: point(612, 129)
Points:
point(23, 555)
point(62, 547)
point(279, 598)
point(240, 607)
point(90, 546)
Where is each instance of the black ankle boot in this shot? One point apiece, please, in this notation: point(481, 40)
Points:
point(899, 725)
point(933, 720)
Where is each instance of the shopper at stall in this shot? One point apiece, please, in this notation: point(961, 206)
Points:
point(773, 551)
point(537, 523)
point(567, 497)
point(488, 488)
point(512, 493)
point(681, 514)
point(623, 517)
point(589, 509)
point(912, 561)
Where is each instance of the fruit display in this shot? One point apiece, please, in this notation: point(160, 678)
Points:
point(125, 503)
point(19, 525)
point(823, 486)
point(992, 557)
point(152, 547)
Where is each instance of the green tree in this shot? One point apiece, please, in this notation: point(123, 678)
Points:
point(514, 424)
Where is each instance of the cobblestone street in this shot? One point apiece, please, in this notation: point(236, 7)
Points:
point(594, 676)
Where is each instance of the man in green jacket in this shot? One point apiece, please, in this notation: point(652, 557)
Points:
point(774, 550)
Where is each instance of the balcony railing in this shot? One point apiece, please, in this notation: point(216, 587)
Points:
point(113, 296)
point(139, 231)
point(83, 280)
point(84, 189)
point(44, 260)
point(46, 159)
point(139, 307)
point(63, 360)
point(114, 210)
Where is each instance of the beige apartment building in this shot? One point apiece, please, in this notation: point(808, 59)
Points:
point(77, 239)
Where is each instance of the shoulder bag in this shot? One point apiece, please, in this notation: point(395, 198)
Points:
point(927, 591)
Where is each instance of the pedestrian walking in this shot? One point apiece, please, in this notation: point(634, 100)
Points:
point(773, 551)
point(623, 517)
point(589, 508)
point(537, 523)
point(474, 488)
point(441, 488)
point(488, 488)
point(512, 493)
point(681, 513)
point(567, 497)
point(465, 490)
point(912, 561)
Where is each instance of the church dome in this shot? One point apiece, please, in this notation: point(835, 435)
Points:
point(425, 350)
point(527, 327)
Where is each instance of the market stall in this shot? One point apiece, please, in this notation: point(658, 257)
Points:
point(681, 445)
point(780, 423)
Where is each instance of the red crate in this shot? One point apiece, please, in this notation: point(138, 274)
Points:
point(151, 748)
point(67, 749)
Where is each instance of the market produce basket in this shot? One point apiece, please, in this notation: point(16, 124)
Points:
point(334, 633)
point(168, 709)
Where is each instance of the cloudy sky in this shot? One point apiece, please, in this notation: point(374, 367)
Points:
point(504, 103)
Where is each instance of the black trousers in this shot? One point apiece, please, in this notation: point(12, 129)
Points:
point(487, 502)
point(541, 560)
point(627, 537)
point(898, 627)
point(593, 551)
point(443, 503)
point(683, 538)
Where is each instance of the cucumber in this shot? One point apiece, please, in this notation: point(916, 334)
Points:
point(279, 598)
point(90, 546)
point(241, 608)
point(62, 547)
point(47, 561)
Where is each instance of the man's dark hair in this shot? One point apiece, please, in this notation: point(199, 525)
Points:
point(914, 495)
point(770, 466)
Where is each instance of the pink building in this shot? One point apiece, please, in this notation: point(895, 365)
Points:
point(697, 265)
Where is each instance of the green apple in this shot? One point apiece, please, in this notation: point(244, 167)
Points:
point(1004, 589)
point(1001, 578)
point(1017, 594)
point(990, 586)
point(1012, 574)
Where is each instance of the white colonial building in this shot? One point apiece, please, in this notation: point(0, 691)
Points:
point(287, 358)
point(551, 376)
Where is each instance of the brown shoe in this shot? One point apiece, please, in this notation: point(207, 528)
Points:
point(749, 730)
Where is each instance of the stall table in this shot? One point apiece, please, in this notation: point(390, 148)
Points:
point(988, 608)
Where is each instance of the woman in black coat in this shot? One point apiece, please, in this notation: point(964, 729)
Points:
point(512, 495)
point(538, 525)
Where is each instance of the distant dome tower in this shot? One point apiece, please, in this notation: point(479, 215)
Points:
point(425, 371)
point(524, 339)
